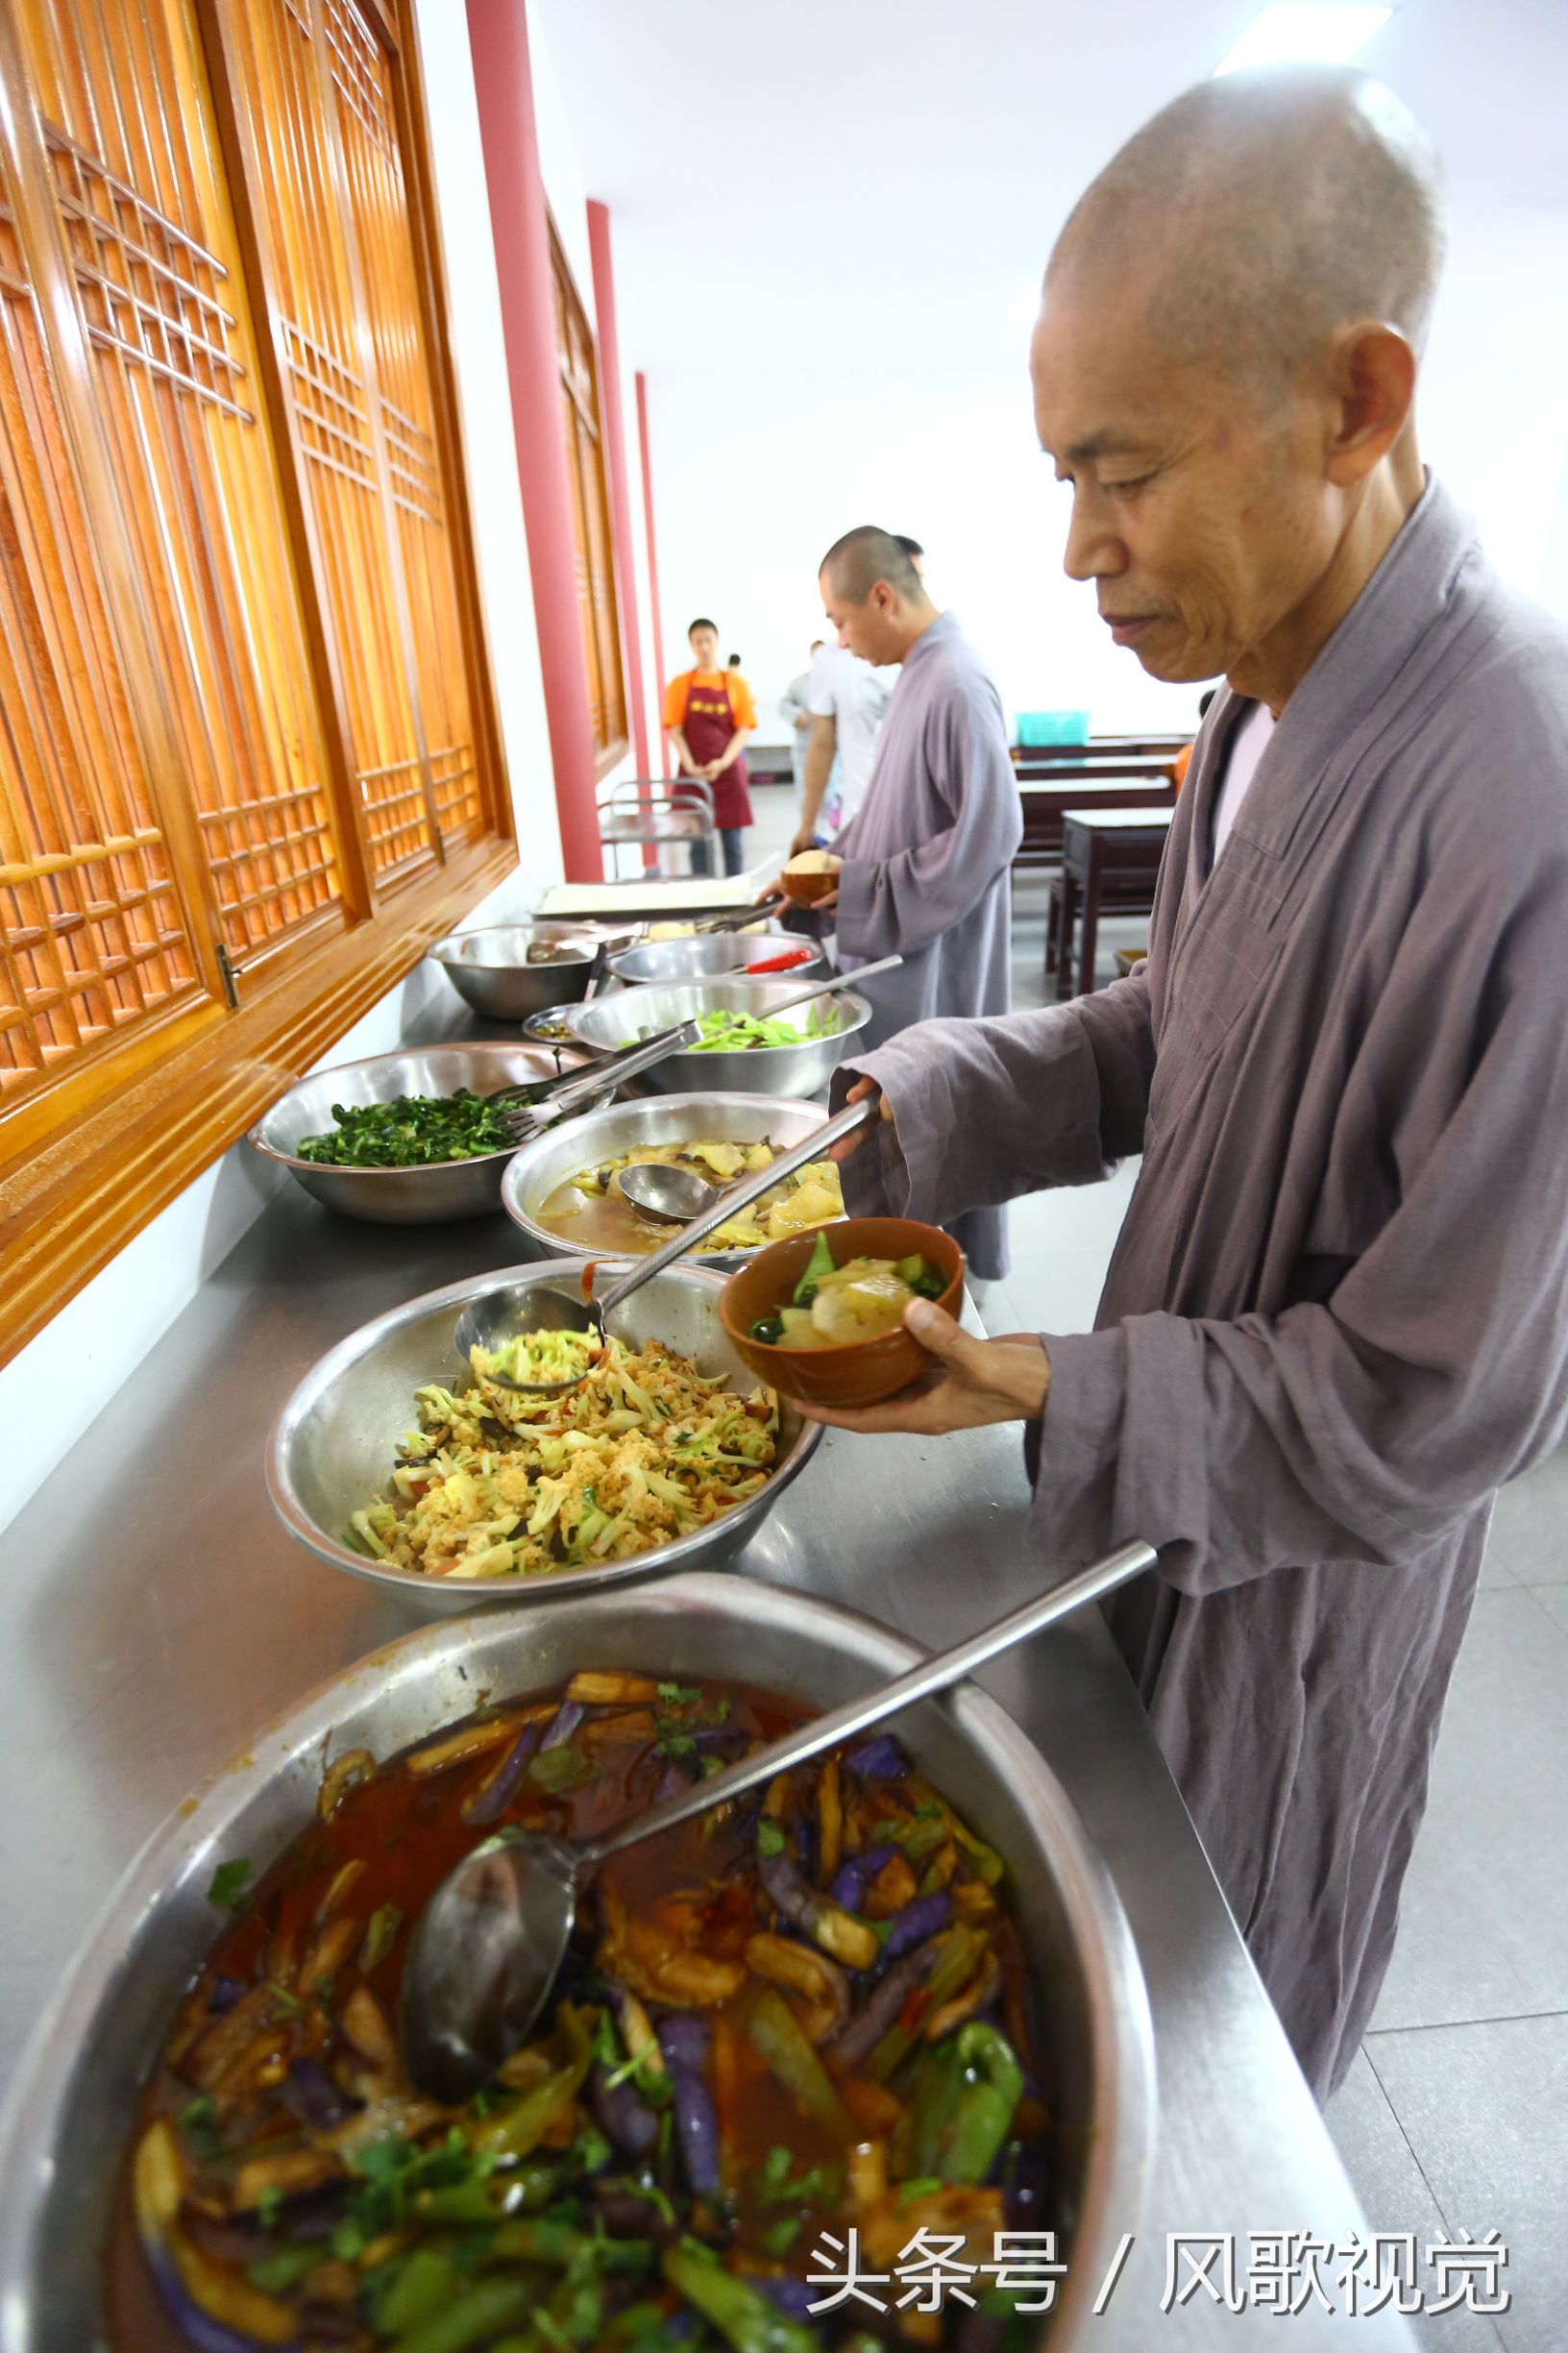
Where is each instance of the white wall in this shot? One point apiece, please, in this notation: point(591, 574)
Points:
point(97, 1340)
point(758, 468)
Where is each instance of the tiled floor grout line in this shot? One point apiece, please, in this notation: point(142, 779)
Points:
point(1414, 2159)
point(1442, 2025)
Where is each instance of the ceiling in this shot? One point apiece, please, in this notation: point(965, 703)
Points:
point(798, 177)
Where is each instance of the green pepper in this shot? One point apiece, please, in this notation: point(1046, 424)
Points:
point(773, 2029)
point(469, 2319)
point(742, 2316)
point(769, 1329)
point(921, 2133)
point(985, 2107)
point(524, 2189)
point(517, 2129)
point(420, 2287)
point(820, 1262)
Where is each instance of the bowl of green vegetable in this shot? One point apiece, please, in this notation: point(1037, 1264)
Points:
point(746, 1048)
point(407, 1139)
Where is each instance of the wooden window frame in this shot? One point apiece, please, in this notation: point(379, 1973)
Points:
point(82, 1169)
point(613, 751)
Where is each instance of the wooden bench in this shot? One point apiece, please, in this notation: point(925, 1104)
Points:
point(1109, 860)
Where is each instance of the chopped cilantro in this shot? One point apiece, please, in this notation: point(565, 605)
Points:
point(269, 2205)
point(591, 2151)
point(679, 1695)
point(779, 2237)
point(559, 1770)
point(275, 2274)
point(279, 1993)
point(228, 1889)
point(769, 1837)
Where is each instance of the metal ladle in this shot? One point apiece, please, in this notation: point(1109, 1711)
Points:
point(488, 1945)
point(536, 1307)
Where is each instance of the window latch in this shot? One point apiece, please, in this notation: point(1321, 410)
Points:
point(231, 984)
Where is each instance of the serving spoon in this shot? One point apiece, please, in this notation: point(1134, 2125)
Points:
point(537, 1307)
point(488, 1945)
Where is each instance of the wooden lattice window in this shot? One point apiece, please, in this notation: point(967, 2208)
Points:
point(597, 602)
point(248, 762)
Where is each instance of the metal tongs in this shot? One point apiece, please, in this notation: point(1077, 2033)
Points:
point(539, 1307)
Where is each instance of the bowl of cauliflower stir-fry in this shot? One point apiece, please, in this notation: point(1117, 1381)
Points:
point(397, 1462)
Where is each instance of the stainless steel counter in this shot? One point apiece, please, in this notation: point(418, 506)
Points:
point(156, 1614)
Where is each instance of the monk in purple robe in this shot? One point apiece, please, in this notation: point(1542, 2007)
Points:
point(1336, 1318)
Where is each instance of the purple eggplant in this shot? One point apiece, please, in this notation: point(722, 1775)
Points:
point(792, 2297)
point(226, 1993)
point(916, 1923)
point(854, 2043)
point(856, 1875)
point(879, 1759)
point(196, 2326)
point(496, 1792)
point(563, 1724)
point(311, 2094)
point(622, 2112)
point(684, 2039)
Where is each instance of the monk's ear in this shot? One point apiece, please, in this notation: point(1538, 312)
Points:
point(1372, 386)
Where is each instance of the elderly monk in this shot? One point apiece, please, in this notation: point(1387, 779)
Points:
point(928, 854)
point(1337, 1319)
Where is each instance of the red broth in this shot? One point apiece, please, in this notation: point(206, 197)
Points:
point(281, 2056)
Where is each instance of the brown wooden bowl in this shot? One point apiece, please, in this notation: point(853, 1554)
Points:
point(860, 1372)
point(806, 889)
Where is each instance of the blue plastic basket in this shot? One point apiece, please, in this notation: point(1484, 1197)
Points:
point(1053, 727)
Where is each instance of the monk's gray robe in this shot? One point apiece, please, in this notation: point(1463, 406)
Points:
point(1337, 1319)
point(927, 864)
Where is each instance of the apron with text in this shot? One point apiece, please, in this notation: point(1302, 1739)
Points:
point(707, 725)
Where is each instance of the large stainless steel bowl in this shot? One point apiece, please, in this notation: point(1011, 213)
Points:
point(490, 970)
point(401, 1196)
point(64, 2135)
point(620, 1127)
point(770, 1069)
point(331, 1447)
point(715, 955)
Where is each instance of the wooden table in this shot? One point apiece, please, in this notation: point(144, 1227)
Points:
point(1101, 785)
point(1109, 858)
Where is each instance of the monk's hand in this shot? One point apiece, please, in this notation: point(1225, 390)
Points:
point(805, 839)
point(770, 889)
point(862, 1087)
point(969, 1383)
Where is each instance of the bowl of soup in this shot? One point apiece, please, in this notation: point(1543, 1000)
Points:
point(775, 1309)
point(562, 1189)
point(233, 2006)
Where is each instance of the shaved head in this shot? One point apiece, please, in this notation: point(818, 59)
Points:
point(1259, 212)
point(854, 564)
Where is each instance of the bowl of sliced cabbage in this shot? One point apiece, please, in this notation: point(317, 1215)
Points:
point(397, 1461)
point(563, 1192)
point(821, 1317)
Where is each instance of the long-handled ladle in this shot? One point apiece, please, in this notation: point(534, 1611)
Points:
point(488, 1945)
point(487, 1323)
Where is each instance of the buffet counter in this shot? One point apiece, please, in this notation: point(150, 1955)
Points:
point(158, 1615)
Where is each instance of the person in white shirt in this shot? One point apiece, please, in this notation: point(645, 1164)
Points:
point(794, 710)
point(847, 698)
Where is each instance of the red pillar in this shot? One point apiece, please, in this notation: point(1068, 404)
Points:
point(652, 560)
point(615, 443)
point(498, 35)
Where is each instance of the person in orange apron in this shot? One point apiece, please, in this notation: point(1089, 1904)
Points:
point(710, 715)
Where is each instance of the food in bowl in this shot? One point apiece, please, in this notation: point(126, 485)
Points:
point(851, 1371)
point(412, 1131)
point(833, 1306)
point(798, 2014)
point(590, 1210)
point(737, 1033)
point(497, 1483)
point(810, 875)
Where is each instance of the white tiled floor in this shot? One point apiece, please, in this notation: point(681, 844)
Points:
point(1456, 2115)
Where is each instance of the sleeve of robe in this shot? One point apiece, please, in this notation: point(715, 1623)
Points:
point(1359, 1426)
point(985, 1111)
point(894, 906)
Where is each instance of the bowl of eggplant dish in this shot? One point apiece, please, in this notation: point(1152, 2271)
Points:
point(894, 1994)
